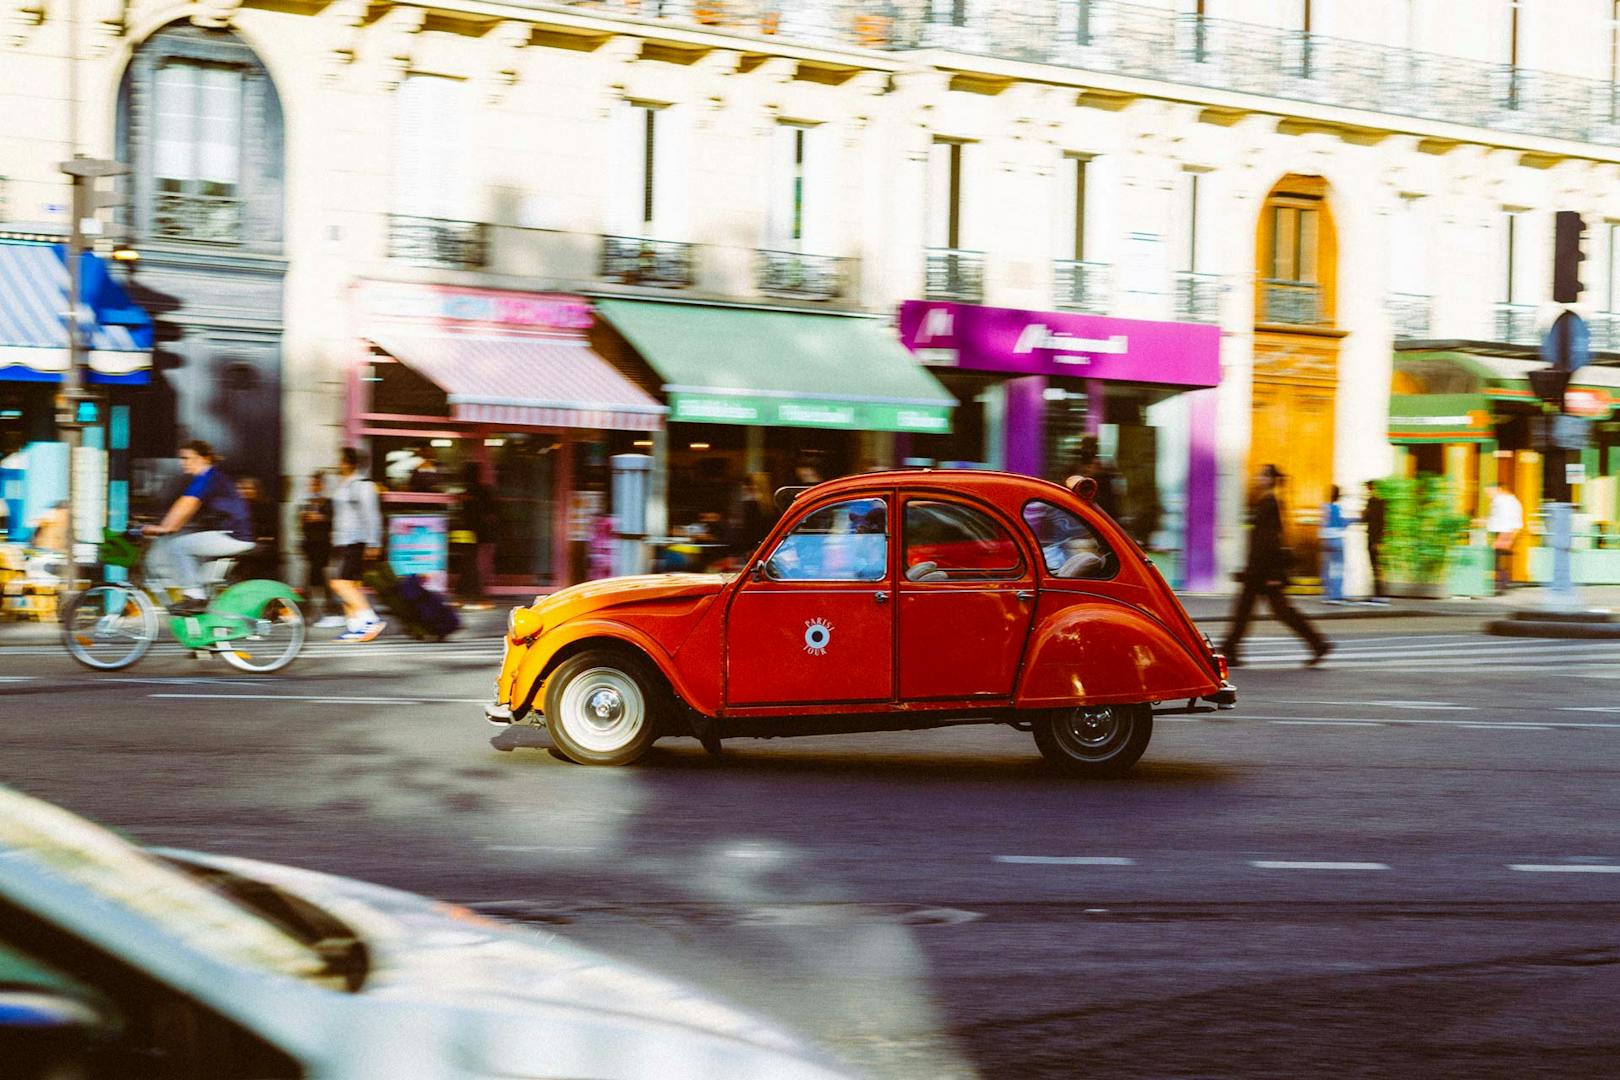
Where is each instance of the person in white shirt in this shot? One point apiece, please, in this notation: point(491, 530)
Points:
point(356, 537)
point(1504, 521)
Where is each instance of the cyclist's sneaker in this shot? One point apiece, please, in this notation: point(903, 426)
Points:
point(188, 605)
point(330, 622)
point(368, 632)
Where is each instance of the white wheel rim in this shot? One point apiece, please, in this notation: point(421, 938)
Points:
point(602, 710)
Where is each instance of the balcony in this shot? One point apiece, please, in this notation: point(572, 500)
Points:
point(1198, 297)
point(954, 274)
point(438, 242)
point(798, 276)
point(1291, 303)
point(1145, 41)
point(1516, 324)
point(1605, 327)
point(204, 219)
point(1409, 315)
point(1081, 286)
point(637, 260)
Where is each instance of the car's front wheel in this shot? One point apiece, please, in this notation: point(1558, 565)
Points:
point(600, 708)
point(1094, 740)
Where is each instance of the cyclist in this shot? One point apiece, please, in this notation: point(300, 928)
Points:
point(209, 520)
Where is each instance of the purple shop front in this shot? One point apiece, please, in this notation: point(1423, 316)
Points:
point(1143, 391)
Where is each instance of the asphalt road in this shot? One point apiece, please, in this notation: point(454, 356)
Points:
point(1406, 862)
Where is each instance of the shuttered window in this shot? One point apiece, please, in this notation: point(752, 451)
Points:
point(432, 149)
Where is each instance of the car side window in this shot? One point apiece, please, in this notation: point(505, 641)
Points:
point(1069, 547)
point(948, 541)
point(846, 541)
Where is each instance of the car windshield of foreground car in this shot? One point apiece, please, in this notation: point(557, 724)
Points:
point(54, 842)
point(847, 541)
point(1068, 545)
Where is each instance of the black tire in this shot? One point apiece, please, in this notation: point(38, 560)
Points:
point(604, 707)
point(1099, 740)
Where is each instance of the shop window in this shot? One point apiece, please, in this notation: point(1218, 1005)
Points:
point(847, 541)
point(1069, 547)
point(952, 542)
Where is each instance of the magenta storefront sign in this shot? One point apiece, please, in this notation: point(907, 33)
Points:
point(1060, 343)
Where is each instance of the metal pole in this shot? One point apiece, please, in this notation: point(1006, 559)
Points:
point(72, 381)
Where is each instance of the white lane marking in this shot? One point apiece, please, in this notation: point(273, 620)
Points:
point(329, 699)
point(1589, 708)
point(1286, 864)
point(1380, 704)
point(1564, 868)
point(1065, 860)
point(17, 678)
point(1413, 721)
point(1328, 723)
point(1506, 727)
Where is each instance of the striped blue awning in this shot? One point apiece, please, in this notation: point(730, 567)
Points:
point(34, 287)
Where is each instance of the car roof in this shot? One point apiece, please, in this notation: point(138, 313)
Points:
point(984, 483)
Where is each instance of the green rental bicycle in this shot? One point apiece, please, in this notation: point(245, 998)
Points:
point(253, 625)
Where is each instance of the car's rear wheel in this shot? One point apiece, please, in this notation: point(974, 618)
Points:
point(601, 707)
point(1094, 740)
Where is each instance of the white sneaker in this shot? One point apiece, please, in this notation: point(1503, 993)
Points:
point(330, 622)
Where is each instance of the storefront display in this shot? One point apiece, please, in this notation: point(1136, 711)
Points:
point(452, 383)
point(1057, 393)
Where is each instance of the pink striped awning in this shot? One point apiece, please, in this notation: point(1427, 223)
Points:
point(526, 381)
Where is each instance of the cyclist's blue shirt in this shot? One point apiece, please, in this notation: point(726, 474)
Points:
point(222, 508)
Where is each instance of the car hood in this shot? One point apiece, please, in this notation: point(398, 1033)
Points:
point(527, 1002)
point(592, 596)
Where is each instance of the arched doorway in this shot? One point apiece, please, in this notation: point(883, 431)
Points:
point(200, 124)
point(1296, 352)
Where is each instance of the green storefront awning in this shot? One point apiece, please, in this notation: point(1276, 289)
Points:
point(722, 365)
point(1446, 418)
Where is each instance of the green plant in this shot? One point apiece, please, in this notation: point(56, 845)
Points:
point(1421, 526)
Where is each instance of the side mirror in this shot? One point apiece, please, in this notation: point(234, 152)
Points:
point(757, 571)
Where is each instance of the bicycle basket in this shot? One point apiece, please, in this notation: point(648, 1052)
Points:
point(118, 549)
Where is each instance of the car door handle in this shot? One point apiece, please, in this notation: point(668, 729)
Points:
point(881, 597)
point(1025, 594)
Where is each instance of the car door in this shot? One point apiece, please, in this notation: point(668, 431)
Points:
point(813, 621)
point(966, 601)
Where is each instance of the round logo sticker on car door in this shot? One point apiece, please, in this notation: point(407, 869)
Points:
point(817, 635)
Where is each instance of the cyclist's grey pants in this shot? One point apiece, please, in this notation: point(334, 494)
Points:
point(178, 558)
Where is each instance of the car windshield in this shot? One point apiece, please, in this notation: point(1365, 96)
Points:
point(49, 840)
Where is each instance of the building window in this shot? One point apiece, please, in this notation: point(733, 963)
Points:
point(948, 12)
point(432, 149)
point(646, 197)
point(1072, 235)
point(790, 182)
point(1082, 24)
point(946, 192)
point(197, 150)
point(1294, 242)
point(1614, 61)
point(1511, 240)
point(1611, 283)
point(1194, 222)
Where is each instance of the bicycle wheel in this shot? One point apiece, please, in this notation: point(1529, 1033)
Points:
point(109, 626)
point(277, 637)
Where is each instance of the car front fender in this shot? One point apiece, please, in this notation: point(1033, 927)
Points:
point(529, 670)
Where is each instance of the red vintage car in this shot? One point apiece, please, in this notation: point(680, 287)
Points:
point(882, 602)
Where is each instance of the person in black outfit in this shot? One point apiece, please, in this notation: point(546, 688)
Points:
point(1267, 575)
point(315, 542)
point(475, 526)
point(1372, 514)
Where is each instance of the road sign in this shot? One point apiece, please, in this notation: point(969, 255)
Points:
point(1567, 345)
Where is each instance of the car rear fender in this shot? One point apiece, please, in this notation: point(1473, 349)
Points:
point(1090, 649)
point(570, 639)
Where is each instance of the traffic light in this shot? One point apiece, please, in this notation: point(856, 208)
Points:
point(1549, 385)
point(1569, 229)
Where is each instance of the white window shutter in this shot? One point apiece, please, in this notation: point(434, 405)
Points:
point(823, 191)
point(175, 124)
point(672, 170)
point(413, 167)
point(622, 196)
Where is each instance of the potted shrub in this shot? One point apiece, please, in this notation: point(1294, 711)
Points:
point(1422, 528)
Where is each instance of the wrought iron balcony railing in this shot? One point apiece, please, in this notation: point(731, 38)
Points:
point(637, 260)
point(1605, 327)
point(1291, 303)
point(803, 277)
point(425, 241)
point(1198, 297)
point(1081, 286)
point(954, 274)
point(1516, 324)
point(209, 219)
point(1409, 315)
point(1157, 43)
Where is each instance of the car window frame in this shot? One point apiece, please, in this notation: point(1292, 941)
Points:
point(886, 497)
point(1020, 571)
point(1047, 572)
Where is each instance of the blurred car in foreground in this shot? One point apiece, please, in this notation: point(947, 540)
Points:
point(121, 963)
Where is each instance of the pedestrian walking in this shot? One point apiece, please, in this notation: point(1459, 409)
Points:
point(1331, 533)
point(1372, 516)
point(264, 561)
point(356, 537)
point(750, 517)
point(1504, 521)
point(475, 526)
point(209, 520)
point(315, 544)
point(1266, 574)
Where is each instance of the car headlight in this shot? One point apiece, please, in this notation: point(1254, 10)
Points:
point(523, 625)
